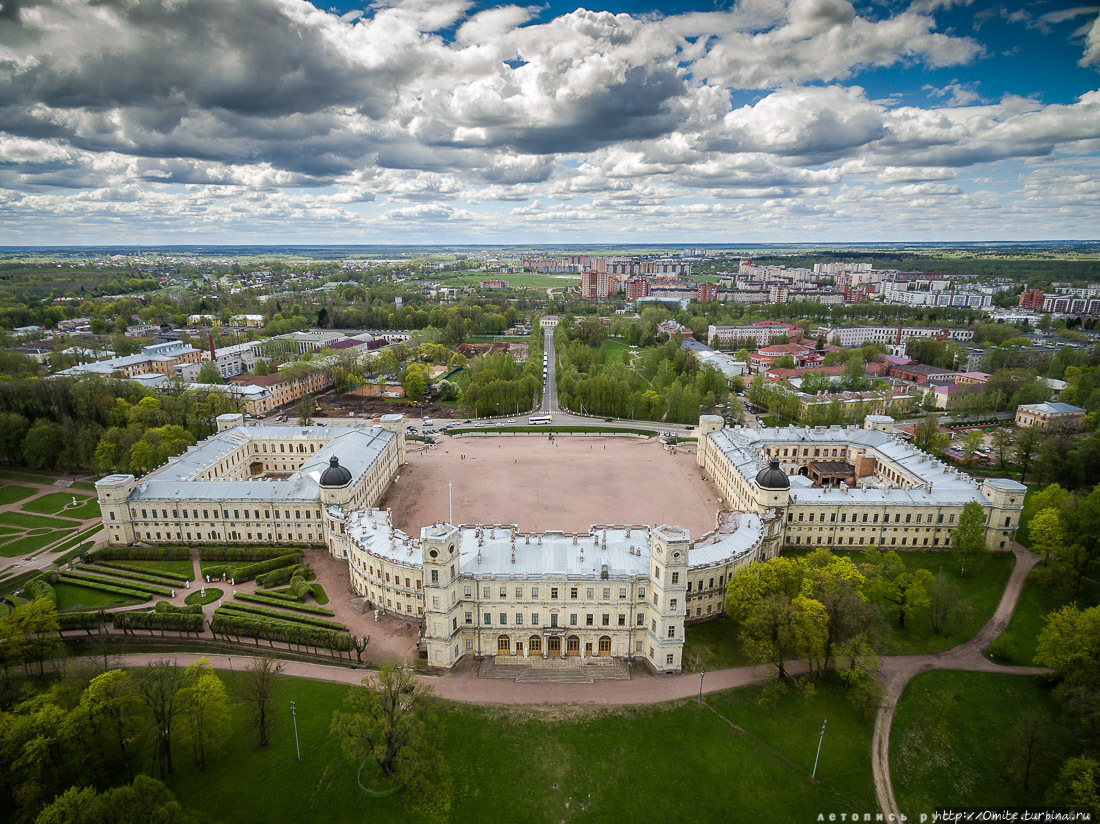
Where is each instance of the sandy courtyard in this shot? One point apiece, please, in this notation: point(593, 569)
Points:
point(567, 485)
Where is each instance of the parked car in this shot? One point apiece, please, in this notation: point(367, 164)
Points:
point(511, 420)
point(609, 420)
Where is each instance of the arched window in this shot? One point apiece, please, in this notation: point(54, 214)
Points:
point(573, 645)
point(503, 644)
point(605, 645)
point(534, 643)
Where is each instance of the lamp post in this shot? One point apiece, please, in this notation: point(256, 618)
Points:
point(298, 749)
point(820, 738)
point(701, 674)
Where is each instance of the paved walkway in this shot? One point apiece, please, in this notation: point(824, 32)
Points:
point(42, 558)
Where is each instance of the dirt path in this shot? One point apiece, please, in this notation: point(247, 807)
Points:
point(896, 671)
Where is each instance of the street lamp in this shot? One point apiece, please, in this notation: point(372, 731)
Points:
point(701, 674)
point(820, 738)
point(298, 749)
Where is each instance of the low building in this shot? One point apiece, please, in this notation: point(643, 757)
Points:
point(1050, 415)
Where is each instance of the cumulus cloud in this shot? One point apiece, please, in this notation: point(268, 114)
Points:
point(395, 116)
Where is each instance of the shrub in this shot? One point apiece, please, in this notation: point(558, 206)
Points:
point(149, 589)
point(279, 577)
point(139, 576)
point(299, 588)
point(95, 584)
point(227, 623)
point(187, 609)
point(250, 572)
point(283, 616)
point(81, 620)
point(178, 621)
point(243, 553)
point(40, 588)
point(282, 602)
point(141, 553)
point(169, 577)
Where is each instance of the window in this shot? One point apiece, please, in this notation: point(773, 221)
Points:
point(637, 646)
point(641, 619)
point(573, 593)
point(573, 619)
point(676, 577)
point(553, 619)
point(519, 593)
point(454, 621)
point(469, 643)
point(435, 576)
point(468, 592)
point(622, 593)
point(607, 593)
point(519, 619)
point(534, 592)
point(605, 619)
point(534, 619)
point(622, 619)
point(591, 593)
point(672, 632)
point(435, 603)
point(553, 593)
point(485, 592)
point(488, 619)
point(469, 617)
point(672, 605)
point(653, 626)
point(641, 592)
point(588, 619)
point(504, 592)
point(668, 659)
point(503, 618)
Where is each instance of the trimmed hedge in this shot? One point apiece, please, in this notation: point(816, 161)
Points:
point(150, 589)
point(249, 572)
point(178, 621)
point(81, 620)
point(141, 553)
point(136, 576)
point(282, 576)
point(282, 597)
point(39, 588)
point(282, 616)
point(279, 602)
point(258, 628)
point(244, 553)
point(141, 595)
point(169, 577)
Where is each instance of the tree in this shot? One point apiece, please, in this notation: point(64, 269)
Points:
point(416, 383)
point(159, 686)
point(206, 715)
point(261, 368)
point(390, 719)
point(1078, 785)
point(110, 703)
point(43, 443)
point(1070, 643)
point(146, 799)
point(972, 444)
point(1045, 533)
point(968, 538)
point(928, 437)
point(208, 373)
point(1026, 443)
point(1002, 445)
point(944, 602)
point(257, 690)
point(305, 411)
point(890, 579)
point(1029, 741)
point(838, 585)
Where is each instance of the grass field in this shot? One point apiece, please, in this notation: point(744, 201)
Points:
point(954, 742)
point(181, 569)
point(73, 596)
point(555, 764)
point(612, 351)
point(83, 485)
point(9, 494)
point(54, 502)
point(196, 597)
point(38, 476)
point(32, 542)
point(1016, 645)
point(32, 521)
point(530, 280)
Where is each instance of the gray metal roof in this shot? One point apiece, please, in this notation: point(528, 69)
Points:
point(357, 448)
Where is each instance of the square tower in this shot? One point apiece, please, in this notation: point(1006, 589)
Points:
point(668, 604)
point(442, 570)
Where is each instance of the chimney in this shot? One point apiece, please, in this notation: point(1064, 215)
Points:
point(210, 339)
point(898, 340)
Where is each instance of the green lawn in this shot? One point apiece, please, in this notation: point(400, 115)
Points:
point(196, 597)
point(32, 542)
point(230, 567)
point(710, 646)
point(612, 351)
point(90, 485)
point(10, 494)
point(73, 597)
point(37, 476)
point(955, 742)
point(981, 590)
point(31, 521)
point(1016, 645)
point(56, 503)
point(555, 764)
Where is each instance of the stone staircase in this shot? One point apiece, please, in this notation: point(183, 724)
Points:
point(556, 671)
point(358, 605)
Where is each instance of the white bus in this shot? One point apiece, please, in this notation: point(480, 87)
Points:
point(540, 420)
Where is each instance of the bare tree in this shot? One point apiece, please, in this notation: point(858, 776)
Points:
point(257, 689)
point(159, 688)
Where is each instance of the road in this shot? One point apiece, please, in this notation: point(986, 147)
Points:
point(550, 385)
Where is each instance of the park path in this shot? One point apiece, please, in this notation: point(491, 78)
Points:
point(897, 671)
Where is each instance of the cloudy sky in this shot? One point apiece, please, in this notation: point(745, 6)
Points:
point(451, 121)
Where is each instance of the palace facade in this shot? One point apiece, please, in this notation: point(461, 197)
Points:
point(615, 590)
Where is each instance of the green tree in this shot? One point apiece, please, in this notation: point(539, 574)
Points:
point(1027, 442)
point(146, 799)
point(305, 411)
point(1045, 533)
point(390, 719)
point(261, 368)
point(972, 444)
point(206, 715)
point(159, 687)
point(110, 703)
point(1002, 445)
point(43, 443)
point(889, 579)
point(928, 437)
point(968, 538)
point(208, 373)
point(1078, 784)
point(416, 383)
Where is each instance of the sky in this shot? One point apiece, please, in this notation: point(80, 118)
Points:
point(450, 121)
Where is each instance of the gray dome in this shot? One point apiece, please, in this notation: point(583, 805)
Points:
point(337, 475)
point(772, 477)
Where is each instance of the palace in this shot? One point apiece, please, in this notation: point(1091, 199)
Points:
point(490, 590)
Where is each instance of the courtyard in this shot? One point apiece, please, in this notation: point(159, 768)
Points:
point(566, 484)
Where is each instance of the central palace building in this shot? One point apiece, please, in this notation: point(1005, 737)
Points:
point(490, 590)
